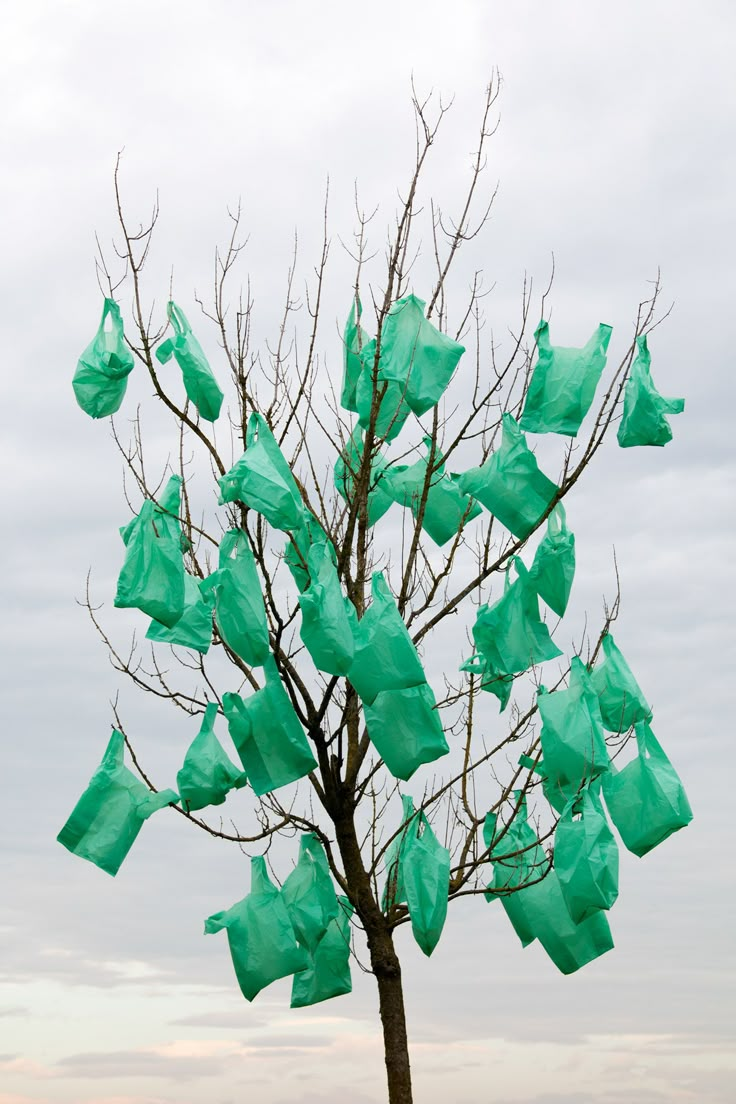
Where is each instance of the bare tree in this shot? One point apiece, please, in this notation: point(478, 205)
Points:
point(346, 797)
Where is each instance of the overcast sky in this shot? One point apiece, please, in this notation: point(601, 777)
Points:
point(615, 152)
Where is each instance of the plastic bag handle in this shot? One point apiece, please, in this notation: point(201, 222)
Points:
point(541, 336)
point(178, 319)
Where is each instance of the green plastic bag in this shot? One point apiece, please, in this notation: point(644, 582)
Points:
point(152, 576)
point(563, 383)
point(586, 856)
point(557, 793)
point(621, 701)
point(110, 813)
point(267, 735)
point(354, 339)
point(385, 656)
point(393, 409)
point(329, 620)
point(418, 874)
point(262, 479)
point(446, 507)
point(517, 858)
point(309, 895)
point(568, 944)
point(646, 799)
point(644, 420)
point(262, 942)
point(194, 627)
point(553, 569)
point(298, 545)
point(199, 383)
point(510, 634)
point(207, 775)
point(572, 738)
point(240, 614)
point(346, 470)
point(492, 681)
point(510, 484)
point(405, 729)
point(101, 376)
point(394, 892)
point(328, 973)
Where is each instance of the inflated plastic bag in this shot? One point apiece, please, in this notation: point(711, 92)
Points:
point(240, 614)
point(354, 339)
point(329, 619)
point(572, 737)
point(418, 874)
point(194, 627)
point(563, 383)
point(510, 484)
point(262, 479)
point(385, 656)
point(346, 471)
point(553, 569)
point(621, 701)
point(101, 376)
point(152, 575)
point(199, 382)
point(267, 735)
point(446, 508)
point(308, 893)
point(328, 973)
point(492, 681)
point(405, 729)
point(644, 420)
point(646, 799)
point(207, 775)
point(586, 856)
point(110, 813)
point(510, 634)
point(262, 942)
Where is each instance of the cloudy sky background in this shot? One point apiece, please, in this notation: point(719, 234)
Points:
point(616, 152)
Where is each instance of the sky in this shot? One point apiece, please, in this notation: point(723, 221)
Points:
point(614, 153)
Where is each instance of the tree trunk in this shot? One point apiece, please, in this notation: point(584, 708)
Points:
point(387, 968)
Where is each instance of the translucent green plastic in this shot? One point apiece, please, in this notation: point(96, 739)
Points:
point(207, 775)
point(621, 701)
point(517, 858)
point(347, 468)
point(510, 634)
point(563, 383)
point(329, 620)
point(101, 376)
point(646, 799)
point(572, 735)
point(446, 508)
point(262, 479)
point(510, 484)
point(492, 681)
point(354, 339)
point(393, 409)
point(267, 735)
point(110, 813)
point(194, 627)
point(405, 729)
point(152, 576)
point(644, 420)
point(418, 875)
point(200, 384)
point(385, 657)
point(553, 569)
point(262, 941)
point(309, 895)
point(328, 973)
point(586, 855)
point(299, 543)
point(240, 614)
point(394, 892)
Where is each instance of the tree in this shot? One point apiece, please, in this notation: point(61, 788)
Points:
point(321, 622)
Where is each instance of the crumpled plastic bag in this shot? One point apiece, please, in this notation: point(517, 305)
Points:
point(646, 799)
point(644, 420)
point(354, 339)
point(262, 941)
point(200, 384)
point(101, 376)
point(446, 508)
point(110, 813)
point(240, 614)
point(553, 568)
point(207, 774)
point(517, 858)
point(329, 620)
point(152, 576)
point(405, 728)
point(347, 467)
point(510, 484)
point(621, 701)
point(267, 735)
point(418, 875)
point(308, 893)
point(492, 681)
point(194, 627)
point(385, 656)
point(572, 737)
point(262, 479)
point(510, 634)
point(328, 973)
point(586, 855)
point(563, 383)
point(298, 545)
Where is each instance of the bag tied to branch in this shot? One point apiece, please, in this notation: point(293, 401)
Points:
point(194, 627)
point(346, 472)
point(207, 774)
point(353, 340)
point(510, 634)
point(572, 737)
point(200, 384)
point(328, 973)
point(563, 383)
point(644, 420)
point(262, 479)
point(240, 614)
point(586, 855)
point(101, 376)
point(553, 569)
point(405, 729)
point(385, 656)
point(621, 701)
point(418, 875)
point(309, 895)
point(329, 619)
point(152, 576)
